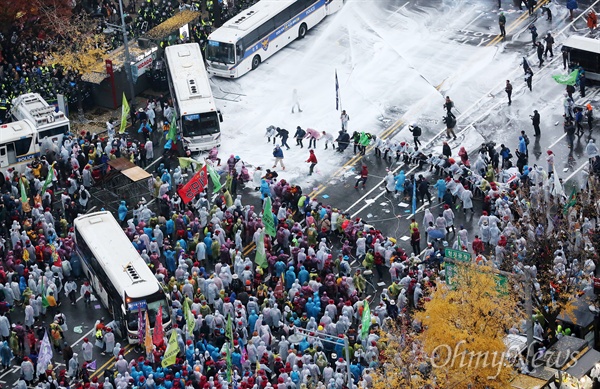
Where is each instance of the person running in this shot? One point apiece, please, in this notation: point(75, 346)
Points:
point(278, 154)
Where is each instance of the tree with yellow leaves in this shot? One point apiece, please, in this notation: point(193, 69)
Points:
point(464, 325)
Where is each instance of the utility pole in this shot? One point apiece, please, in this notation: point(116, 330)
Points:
point(127, 63)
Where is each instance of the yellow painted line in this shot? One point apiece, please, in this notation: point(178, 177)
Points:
point(112, 360)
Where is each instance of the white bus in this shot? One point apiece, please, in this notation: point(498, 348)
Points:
point(260, 31)
point(120, 277)
point(51, 125)
point(18, 145)
point(197, 115)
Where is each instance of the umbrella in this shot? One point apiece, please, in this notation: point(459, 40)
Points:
point(436, 234)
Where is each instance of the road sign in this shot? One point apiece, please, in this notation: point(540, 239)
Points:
point(457, 255)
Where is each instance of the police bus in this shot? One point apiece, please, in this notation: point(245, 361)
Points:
point(18, 145)
point(51, 124)
point(118, 274)
point(198, 118)
point(260, 31)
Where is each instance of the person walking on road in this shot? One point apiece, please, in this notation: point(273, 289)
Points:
point(416, 131)
point(312, 159)
point(415, 241)
point(535, 120)
point(364, 174)
point(549, 39)
point(448, 105)
point(529, 79)
point(540, 54)
point(278, 154)
point(589, 114)
point(508, 89)
point(450, 122)
point(344, 118)
point(502, 24)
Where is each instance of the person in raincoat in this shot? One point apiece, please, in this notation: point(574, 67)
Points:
point(400, 178)
point(73, 366)
point(440, 185)
point(122, 212)
point(390, 182)
point(27, 371)
point(6, 355)
point(591, 150)
point(265, 190)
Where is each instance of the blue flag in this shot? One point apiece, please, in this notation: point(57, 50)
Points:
point(414, 197)
point(337, 92)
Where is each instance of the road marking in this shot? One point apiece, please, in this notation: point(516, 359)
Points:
point(583, 166)
point(112, 359)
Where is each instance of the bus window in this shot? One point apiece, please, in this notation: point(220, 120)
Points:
point(22, 146)
point(200, 124)
point(55, 131)
point(220, 52)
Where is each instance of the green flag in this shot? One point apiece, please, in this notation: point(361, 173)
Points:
point(571, 202)
point(186, 162)
point(124, 113)
point(45, 302)
point(215, 178)
point(366, 320)
point(172, 134)
point(566, 79)
point(268, 218)
point(229, 333)
point(23, 191)
point(190, 320)
point(49, 179)
point(261, 257)
point(172, 350)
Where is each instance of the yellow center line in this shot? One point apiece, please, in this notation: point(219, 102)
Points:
point(104, 367)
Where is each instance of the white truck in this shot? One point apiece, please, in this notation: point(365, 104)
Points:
point(50, 123)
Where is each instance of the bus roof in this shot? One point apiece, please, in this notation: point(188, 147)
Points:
point(15, 131)
point(190, 80)
point(583, 43)
point(115, 253)
point(33, 107)
point(236, 27)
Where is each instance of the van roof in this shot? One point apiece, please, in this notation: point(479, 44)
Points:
point(583, 43)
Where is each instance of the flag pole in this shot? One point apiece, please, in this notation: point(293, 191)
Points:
point(338, 95)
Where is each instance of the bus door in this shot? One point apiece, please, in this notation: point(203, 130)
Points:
point(119, 317)
point(3, 156)
point(332, 6)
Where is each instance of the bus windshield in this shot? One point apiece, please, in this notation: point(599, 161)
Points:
point(154, 302)
point(200, 124)
point(220, 52)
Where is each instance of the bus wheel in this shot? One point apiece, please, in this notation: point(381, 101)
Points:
point(255, 62)
point(302, 31)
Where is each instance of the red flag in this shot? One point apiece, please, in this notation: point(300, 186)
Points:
point(194, 186)
point(159, 332)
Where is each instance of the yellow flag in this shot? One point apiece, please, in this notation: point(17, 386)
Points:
point(148, 340)
point(124, 113)
point(172, 350)
point(185, 162)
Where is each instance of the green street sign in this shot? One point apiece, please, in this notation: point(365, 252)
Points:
point(457, 255)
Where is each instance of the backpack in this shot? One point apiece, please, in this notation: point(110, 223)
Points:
point(84, 194)
point(60, 320)
point(526, 139)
